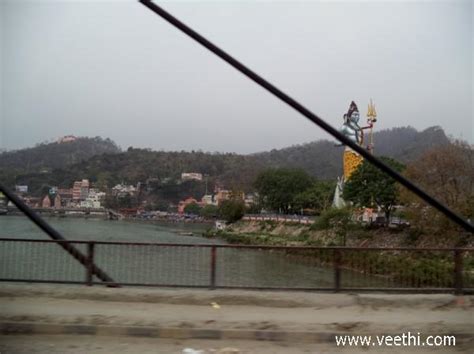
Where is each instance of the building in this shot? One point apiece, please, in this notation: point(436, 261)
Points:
point(188, 176)
point(94, 200)
point(67, 139)
point(121, 190)
point(222, 195)
point(21, 189)
point(85, 189)
point(208, 199)
point(250, 200)
point(166, 180)
point(66, 196)
point(80, 190)
point(57, 201)
point(152, 183)
point(220, 225)
point(32, 202)
point(65, 192)
point(184, 203)
point(76, 191)
point(46, 202)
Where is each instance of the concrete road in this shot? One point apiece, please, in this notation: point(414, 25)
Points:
point(69, 344)
point(212, 315)
point(229, 315)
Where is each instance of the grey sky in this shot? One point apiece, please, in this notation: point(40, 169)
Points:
point(116, 70)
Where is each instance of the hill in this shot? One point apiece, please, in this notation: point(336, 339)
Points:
point(323, 158)
point(60, 154)
point(407, 144)
point(104, 164)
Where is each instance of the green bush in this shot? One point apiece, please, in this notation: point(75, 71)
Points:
point(232, 210)
point(332, 218)
point(192, 208)
point(209, 211)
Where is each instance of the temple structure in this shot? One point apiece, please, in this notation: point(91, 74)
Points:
point(351, 159)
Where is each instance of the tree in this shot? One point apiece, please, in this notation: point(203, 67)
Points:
point(232, 210)
point(447, 172)
point(161, 205)
point(338, 220)
point(110, 202)
point(254, 208)
point(192, 208)
point(209, 211)
point(368, 186)
point(318, 197)
point(126, 201)
point(278, 187)
point(104, 181)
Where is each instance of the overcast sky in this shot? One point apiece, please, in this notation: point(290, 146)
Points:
point(115, 69)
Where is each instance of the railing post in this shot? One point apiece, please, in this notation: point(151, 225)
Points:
point(337, 269)
point(458, 269)
point(90, 263)
point(213, 267)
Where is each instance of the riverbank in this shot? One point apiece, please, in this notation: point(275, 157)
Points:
point(57, 214)
point(181, 220)
point(103, 216)
point(408, 269)
point(273, 233)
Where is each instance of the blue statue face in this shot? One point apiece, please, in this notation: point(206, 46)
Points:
point(355, 117)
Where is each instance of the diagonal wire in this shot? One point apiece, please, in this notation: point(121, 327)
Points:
point(54, 234)
point(308, 114)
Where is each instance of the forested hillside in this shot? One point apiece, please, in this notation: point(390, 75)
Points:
point(407, 144)
point(323, 158)
point(138, 165)
point(101, 161)
point(56, 155)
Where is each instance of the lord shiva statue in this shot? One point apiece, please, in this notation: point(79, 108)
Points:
point(351, 160)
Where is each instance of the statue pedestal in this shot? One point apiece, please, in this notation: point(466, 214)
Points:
point(338, 202)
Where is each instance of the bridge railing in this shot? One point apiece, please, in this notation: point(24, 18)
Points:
point(242, 266)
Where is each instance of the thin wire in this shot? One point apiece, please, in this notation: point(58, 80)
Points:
point(51, 232)
point(308, 114)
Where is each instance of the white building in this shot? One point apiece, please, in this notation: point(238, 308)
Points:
point(191, 176)
point(94, 199)
point(208, 199)
point(250, 199)
point(120, 190)
point(21, 189)
point(67, 139)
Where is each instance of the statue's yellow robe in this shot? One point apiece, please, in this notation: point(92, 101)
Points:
point(352, 160)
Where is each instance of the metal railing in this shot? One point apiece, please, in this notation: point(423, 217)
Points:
point(241, 266)
point(95, 271)
point(279, 218)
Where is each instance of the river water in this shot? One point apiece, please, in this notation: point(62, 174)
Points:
point(165, 265)
point(95, 229)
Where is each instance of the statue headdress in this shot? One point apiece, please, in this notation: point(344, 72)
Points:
point(352, 108)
